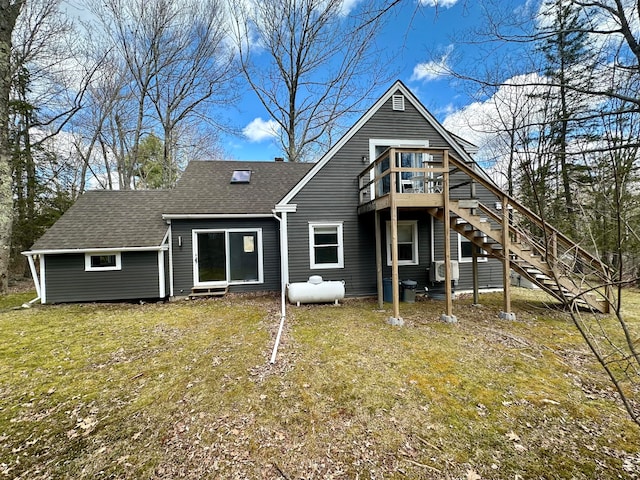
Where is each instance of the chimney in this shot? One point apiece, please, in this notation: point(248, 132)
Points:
point(279, 159)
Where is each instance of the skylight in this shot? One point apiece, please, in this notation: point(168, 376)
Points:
point(241, 176)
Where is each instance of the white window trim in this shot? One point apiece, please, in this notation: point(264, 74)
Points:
point(390, 143)
point(89, 268)
point(393, 143)
point(194, 243)
point(461, 238)
point(323, 266)
point(416, 258)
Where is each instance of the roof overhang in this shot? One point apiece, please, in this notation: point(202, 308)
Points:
point(212, 216)
point(60, 251)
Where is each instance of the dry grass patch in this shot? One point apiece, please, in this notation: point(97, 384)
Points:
point(185, 389)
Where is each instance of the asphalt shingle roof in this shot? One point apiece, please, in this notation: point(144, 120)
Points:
point(205, 187)
point(116, 219)
point(109, 219)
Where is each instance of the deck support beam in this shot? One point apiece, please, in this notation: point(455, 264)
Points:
point(379, 260)
point(474, 273)
point(395, 282)
point(448, 315)
point(506, 264)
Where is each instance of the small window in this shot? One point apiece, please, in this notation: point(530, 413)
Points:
point(325, 245)
point(398, 103)
point(407, 242)
point(102, 261)
point(241, 176)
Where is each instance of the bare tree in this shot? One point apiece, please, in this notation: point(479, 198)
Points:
point(44, 96)
point(310, 63)
point(605, 141)
point(9, 11)
point(173, 65)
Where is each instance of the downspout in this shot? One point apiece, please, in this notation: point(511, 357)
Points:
point(284, 276)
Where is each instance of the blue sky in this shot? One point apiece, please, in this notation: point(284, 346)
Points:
point(415, 33)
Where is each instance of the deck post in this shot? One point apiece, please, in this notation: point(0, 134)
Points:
point(474, 272)
point(506, 264)
point(448, 316)
point(379, 260)
point(395, 320)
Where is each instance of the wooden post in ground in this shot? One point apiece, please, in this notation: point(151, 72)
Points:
point(506, 264)
point(474, 251)
point(474, 272)
point(379, 260)
point(394, 238)
point(447, 238)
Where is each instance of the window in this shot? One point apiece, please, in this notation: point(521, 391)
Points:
point(325, 245)
point(407, 242)
point(94, 262)
point(465, 248)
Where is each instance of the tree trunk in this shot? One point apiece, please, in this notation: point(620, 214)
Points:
point(9, 11)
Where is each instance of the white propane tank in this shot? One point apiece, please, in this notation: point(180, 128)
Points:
point(315, 290)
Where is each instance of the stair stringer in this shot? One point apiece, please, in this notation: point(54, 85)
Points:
point(528, 260)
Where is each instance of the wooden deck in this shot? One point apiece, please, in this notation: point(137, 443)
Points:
point(403, 178)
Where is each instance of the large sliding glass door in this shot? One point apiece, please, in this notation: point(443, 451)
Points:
point(227, 256)
point(211, 259)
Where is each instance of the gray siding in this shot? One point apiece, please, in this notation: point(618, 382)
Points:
point(332, 196)
point(67, 281)
point(418, 272)
point(183, 256)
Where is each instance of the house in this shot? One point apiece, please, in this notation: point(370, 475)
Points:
point(382, 202)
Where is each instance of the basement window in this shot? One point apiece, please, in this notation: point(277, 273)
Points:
point(97, 262)
point(241, 176)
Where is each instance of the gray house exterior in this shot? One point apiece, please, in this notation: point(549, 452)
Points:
point(256, 226)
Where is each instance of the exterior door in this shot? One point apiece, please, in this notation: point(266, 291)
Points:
point(227, 256)
point(211, 257)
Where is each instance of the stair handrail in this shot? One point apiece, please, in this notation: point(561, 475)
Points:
point(539, 247)
point(546, 226)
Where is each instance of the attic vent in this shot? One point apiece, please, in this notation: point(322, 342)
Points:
point(398, 103)
point(241, 176)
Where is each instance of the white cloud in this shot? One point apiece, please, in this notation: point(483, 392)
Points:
point(347, 6)
point(433, 70)
point(259, 130)
point(438, 3)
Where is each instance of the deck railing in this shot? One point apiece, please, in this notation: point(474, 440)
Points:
point(402, 171)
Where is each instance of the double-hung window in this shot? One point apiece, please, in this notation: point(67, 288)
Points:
point(407, 242)
point(325, 245)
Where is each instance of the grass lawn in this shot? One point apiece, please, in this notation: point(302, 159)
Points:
point(185, 390)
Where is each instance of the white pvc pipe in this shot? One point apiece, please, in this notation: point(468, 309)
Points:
point(283, 286)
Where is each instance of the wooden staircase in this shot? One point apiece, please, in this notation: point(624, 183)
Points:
point(506, 229)
point(536, 250)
